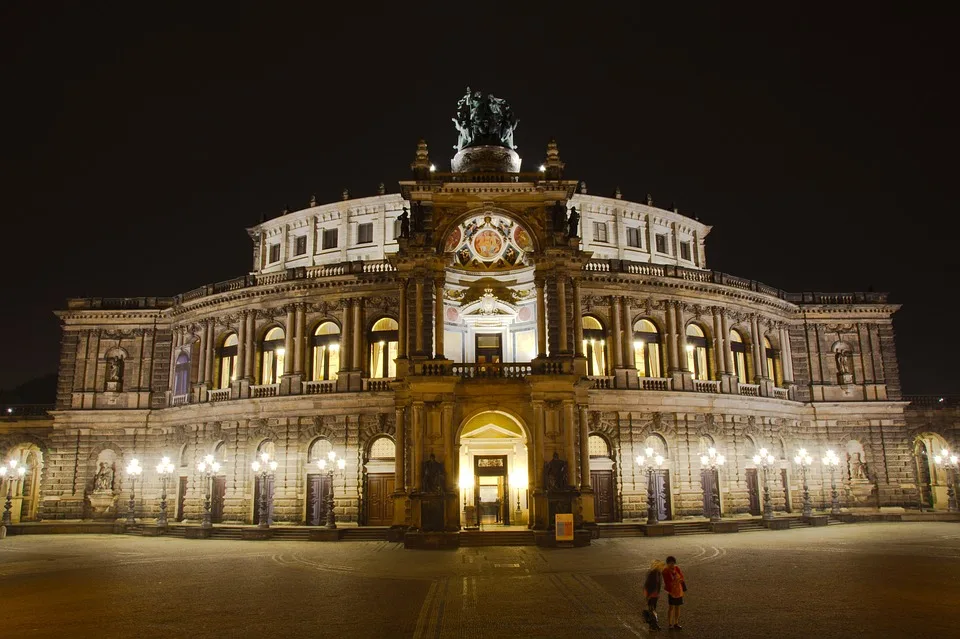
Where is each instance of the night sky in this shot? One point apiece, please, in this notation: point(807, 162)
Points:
point(138, 147)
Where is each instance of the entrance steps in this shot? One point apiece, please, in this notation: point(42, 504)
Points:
point(475, 538)
point(365, 533)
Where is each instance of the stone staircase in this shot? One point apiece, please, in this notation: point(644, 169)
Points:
point(474, 538)
point(365, 533)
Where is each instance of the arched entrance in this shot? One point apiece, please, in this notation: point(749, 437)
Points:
point(932, 480)
point(494, 475)
point(602, 479)
point(25, 493)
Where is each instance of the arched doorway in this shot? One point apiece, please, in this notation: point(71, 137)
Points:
point(318, 483)
point(602, 479)
point(380, 481)
point(259, 486)
point(25, 493)
point(931, 479)
point(494, 475)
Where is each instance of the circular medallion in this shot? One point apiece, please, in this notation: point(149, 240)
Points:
point(487, 244)
point(522, 239)
point(525, 314)
point(452, 314)
point(453, 240)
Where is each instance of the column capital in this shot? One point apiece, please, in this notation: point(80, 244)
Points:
point(539, 281)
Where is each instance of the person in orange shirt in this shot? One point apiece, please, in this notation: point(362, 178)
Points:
point(675, 585)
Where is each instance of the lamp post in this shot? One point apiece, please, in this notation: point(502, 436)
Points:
point(339, 464)
point(714, 462)
point(133, 471)
point(519, 481)
point(766, 461)
point(950, 463)
point(831, 461)
point(264, 468)
point(164, 470)
point(649, 463)
point(803, 460)
point(208, 468)
point(11, 472)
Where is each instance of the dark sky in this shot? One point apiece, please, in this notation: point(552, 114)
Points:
point(138, 146)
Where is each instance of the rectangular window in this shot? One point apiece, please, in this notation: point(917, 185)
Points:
point(600, 231)
point(396, 228)
point(661, 243)
point(685, 250)
point(329, 238)
point(300, 245)
point(633, 237)
point(365, 233)
point(274, 253)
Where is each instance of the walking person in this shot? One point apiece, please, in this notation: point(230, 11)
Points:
point(675, 585)
point(652, 586)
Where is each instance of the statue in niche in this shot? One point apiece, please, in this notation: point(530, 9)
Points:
point(114, 373)
point(432, 476)
point(555, 474)
point(573, 223)
point(843, 365)
point(857, 467)
point(405, 223)
point(103, 480)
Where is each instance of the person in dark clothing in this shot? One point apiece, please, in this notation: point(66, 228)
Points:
point(651, 590)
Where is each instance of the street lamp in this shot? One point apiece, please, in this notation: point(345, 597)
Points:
point(208, 468)
point(322, 464)
point(164, 469)
point(650, 463)
point(951, 463)
point(831, 461)
point(133, 471)
point(766, 461)
point(714, 462)
point(803, 460)
point(519, 481)
point(11, 472)
point(265, 470)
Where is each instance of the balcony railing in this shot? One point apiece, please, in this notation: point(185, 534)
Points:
point(781, 393)
point(706, 386)
point(320, 387)
point(218, 395)
point(496, 370)
point(750, 390)
point(264, 390)
point(602, 382)
point(656, 383)
point(180, 400)
point(377, 384)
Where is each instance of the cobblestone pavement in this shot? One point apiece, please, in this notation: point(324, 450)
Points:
point(869, 580)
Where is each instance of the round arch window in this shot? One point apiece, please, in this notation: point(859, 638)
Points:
point(594, 345)
point(646, 349)
point(739, 350)
point(697, 360)
point(384, 343)
point(274, 354)
point(227, 361)
point(326, 352)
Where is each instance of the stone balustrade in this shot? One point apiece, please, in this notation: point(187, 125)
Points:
point(218, 395)
point(264, 390)
point(180, 400)
point(706, 386)
point(376, 385)
point(602, 382)
point(656, 383)
point(321, 387)
point(488, 371)
point(749, 390)
point(781, 393)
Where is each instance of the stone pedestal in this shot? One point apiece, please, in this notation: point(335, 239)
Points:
point(102, 504)
point(291, 384)
point(817, 520)
point(565, 502)
point(485, 158)
point(349, 381)
point(845, 378)
point(724, 527)
point(626, 378)
point(469, 516)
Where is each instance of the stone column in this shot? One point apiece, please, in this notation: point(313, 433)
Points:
point(402, 321)
point(681, 335)
point(249, 365)
point(346, 336)
point(177, 340)
point(538, 444)
point(669, 338)
point(759, 363)
point(541, 319)
point(241, 346)
point(719, 342)
point(211, 331)
point(417, 443)
point(399, 476)
point(584, 451)
point(438, 284)
point(562, 313)
point(570, 441)
point(288, 340)
point(616, 347)
point(628, 359)
point(418, 317)
point(202, 367)
point(786, 355)
point(300, 341)
point(727, 351)
point(577, 319)
point(357, 358)
point(446, 423)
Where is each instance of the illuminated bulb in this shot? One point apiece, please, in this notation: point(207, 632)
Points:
point(273, 465)
point(331, 455)
point(335, 346)
point(256, 466)
point(433, 168)
point(265, 457)
point(640, 460)
point(638, 344)
point(756, 459)
point(659, 459)
point(704, 460)
point(322, 464)
point(542, 168)
point(763, 452)
point(341, 463)
point(281, 351)
point(689, 348)
point(648, 451)
point(720, 460)
point(712, 451)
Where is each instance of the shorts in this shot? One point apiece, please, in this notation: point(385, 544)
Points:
point(674, 601)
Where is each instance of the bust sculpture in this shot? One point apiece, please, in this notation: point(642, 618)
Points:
point(432, 476)
point(555, 474)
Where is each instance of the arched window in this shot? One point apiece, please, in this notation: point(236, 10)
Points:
point(706, 442)
point(181, 375)
point(326, 351)
point(657, 443)
point(318, 450)
point(739, 350)
point(697, 361)
point(646, 349)
point(597, 446)
point(273, 356)
point(384, 343)
point(268, 447)
point(774, 366)
point(383, 448)
point(227, 358)
point(220, 454)
point(594, 345)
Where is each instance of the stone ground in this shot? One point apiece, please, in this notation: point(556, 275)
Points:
point(870, 580)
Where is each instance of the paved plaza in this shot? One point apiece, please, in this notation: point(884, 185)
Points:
point(857, 580)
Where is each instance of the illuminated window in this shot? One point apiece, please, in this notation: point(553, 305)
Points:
point(600, 231)
point(739, 350)
point(697, 360)
point(365, 233)
point(661, 240)
point(597, 446)
point(181, 375)
point(273, 356)
point(774, 366)
point(685, 251)
point(383, 448)
point(633, 236)
point(274, 253)
point(300, 245)
point(594, 345)
point(326, 352)
point(646, 349)
point(384, 343)
point(227, 361)
point(330, 238)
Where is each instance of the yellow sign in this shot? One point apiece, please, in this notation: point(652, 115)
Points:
point(564, 529)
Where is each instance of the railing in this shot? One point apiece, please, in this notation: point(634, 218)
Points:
point(430, 369)
point(601, 382)
point(750, 390)
point(656, 383)
point(706, 386)
point(327, 270)
point(264, 390)
point(780, 393)
point(636, 268)
point(320, 387)
point(933, 401)
point(218, 395)
point(24, 411)
point(180, 400)
point(496, 370)
point(378, 384)
point(379, 267)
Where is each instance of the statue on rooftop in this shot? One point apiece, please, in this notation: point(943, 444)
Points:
point(573, 223)
point(404, 223)
point(484, 120)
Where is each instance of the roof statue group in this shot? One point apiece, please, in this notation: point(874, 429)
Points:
point(484, 120)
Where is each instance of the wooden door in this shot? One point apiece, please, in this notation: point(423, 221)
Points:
point(786, 490)
point(603, 501)
point(710, 481)
point(256, 500)
point(661, 493)
point(317, 488)
point(753, 490)
point(216, 498)
point(181, 497)
point(380, 499)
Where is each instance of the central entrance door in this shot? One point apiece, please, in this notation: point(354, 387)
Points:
point(217, 497)
point(661, 493)
point(753, 490)
point(258, 487)
point(710, 480)
point(317, 489)
point(489, 348)
point(602, 483)
point(379, 498)
point(491, 489)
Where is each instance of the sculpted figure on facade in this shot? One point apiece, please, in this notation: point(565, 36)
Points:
point(484, 120)
point(573, 229)
point(115, 373)
point(405, 223)
point(103, 480)
point(555, 474)
point(857, 467)
point(432, 475)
